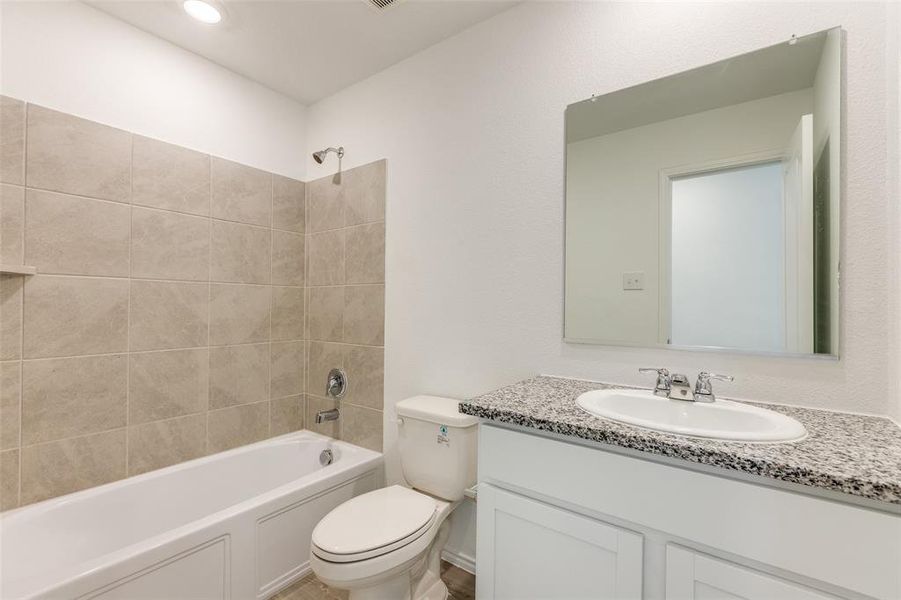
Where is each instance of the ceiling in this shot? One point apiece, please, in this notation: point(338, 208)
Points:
point(307, 49)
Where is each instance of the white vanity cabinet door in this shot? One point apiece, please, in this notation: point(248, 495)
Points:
point(694, 576)
point(528, 550)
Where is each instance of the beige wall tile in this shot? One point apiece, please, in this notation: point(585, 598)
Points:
point(11, 293)
point(322, 357)
point(12, 224)
point(325, 258)
point(287, 369)
point(163, 443)
point(288, 204)
point(76, 236)
point(12, 140)
point(168, 245)
point(10, 405)
point(240, 253)
point(365, 253)
point(239, 314)
point(325, 314)
point(70, 465)
point(313, 405)
point(241, 193)
point(361, 426)
point(168, 315)
point(239, 375)
point(364, 314)
point(286, 415)
point(65, 397)
point(170, 177)
point(167, 384)
point(287, 258)
point(287, 313)
point(326, 203)
point(68, 316)
point(366, 193)
point(237, 426)
point(9, 479)
point(76, 156)
point(365, 366)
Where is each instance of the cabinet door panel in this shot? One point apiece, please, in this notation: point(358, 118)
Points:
point(694, 576)
point(528, 550)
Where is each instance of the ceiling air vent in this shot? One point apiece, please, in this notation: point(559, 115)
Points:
point(381, 4)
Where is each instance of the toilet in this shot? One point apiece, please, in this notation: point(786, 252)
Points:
point(386, 544)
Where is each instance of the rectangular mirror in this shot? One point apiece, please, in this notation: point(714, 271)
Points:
point(702, 209)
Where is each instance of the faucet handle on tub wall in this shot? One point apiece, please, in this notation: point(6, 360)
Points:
point(336, 384)
point(662, 387)
point(703, 387)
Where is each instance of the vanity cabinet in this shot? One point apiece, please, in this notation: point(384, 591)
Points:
point(561, 519)
point(528, 540)
point(694, 576)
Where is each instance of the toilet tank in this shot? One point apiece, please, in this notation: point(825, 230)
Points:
point(437, 446)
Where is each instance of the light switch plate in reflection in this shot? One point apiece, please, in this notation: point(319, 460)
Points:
point(633, 281)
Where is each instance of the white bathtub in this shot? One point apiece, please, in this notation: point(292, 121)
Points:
point(235, 525)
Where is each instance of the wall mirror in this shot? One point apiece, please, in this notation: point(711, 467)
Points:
point(702, 209)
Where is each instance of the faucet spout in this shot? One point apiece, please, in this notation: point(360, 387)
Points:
point(327, 415)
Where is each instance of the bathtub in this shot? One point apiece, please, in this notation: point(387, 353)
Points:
point(235, 525)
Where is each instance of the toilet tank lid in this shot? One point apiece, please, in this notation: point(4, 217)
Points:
point(435, 409)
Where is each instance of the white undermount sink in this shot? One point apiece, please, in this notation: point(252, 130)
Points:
point(721, 420)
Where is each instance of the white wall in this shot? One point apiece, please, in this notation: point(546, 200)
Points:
point(893, 177)
point(74, 58)
point(473, 132)
point(613, 189)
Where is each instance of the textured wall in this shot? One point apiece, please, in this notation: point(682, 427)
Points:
point(473, 128)
point(167, 320)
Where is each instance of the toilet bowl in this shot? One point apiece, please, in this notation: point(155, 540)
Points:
point(386, 544)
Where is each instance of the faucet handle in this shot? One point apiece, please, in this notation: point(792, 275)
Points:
point(662, 387)
point(703, 388)
point(658, 370)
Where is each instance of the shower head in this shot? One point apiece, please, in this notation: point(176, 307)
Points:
point(320, 156)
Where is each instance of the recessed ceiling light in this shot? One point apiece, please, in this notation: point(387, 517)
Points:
point(202, 11)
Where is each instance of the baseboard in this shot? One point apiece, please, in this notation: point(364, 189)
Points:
point(463, 561)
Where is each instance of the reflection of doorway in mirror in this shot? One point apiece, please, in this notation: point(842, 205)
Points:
point(727, 258)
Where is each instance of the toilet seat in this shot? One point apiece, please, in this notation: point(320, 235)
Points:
point(374, 524)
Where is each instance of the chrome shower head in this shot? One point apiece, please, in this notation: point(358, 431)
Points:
point(320, 156)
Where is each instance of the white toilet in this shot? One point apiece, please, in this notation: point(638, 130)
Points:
point(386, 544)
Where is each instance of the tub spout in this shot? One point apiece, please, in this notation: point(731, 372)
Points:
point(327, 415)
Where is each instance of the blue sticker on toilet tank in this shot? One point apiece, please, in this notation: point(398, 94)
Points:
point(442, 435)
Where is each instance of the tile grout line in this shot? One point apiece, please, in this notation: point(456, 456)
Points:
point(271, 249)
point(209, 307)
point(131, 212)
point(22, 303)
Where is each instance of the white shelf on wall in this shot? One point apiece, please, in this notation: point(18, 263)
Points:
point(17, 270)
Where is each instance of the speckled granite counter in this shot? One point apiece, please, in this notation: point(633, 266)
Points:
point(850, 454)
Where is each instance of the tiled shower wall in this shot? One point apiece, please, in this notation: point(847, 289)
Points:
point(167, 319)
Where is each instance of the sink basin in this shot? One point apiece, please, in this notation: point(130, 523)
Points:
point(720, 420)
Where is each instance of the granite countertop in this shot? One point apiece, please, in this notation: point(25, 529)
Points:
point(851, 454)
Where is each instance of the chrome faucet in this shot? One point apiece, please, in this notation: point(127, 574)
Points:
point(703, 388)
point(662, 387)
point(676, 386)
point(680, 388)
point(327, 415)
